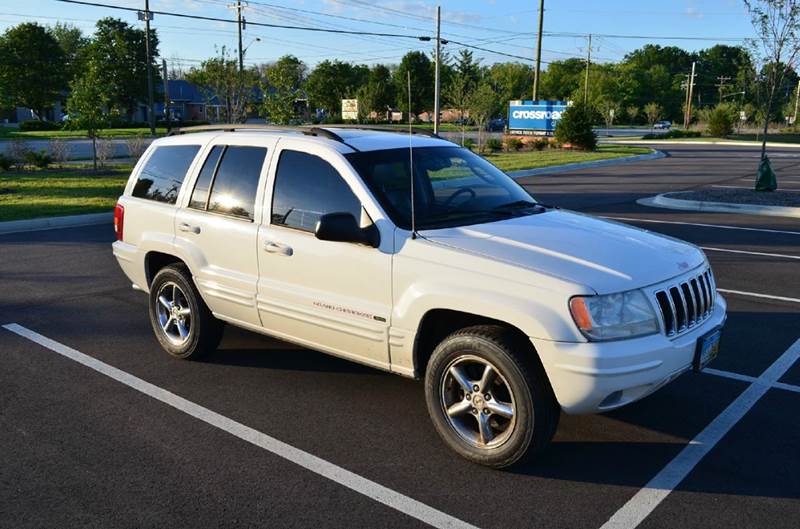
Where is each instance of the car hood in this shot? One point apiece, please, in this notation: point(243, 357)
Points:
point(603, 255)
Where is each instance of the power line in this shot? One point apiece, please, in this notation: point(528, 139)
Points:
point(261, 24)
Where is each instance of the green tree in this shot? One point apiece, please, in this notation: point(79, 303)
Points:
point(462, 83)
point(419, 66)
point(512, 80)
point(118, 51)
point(379, 94)
point(31, 68)
point(88, 105)
point(219, 78)
point(332, 81)
point(632, 111)
point(74, 45)
point(562, 79)
point(575, 127)
point(721, 119)
point(482, 105)
point(282, 82)
point(653, 112)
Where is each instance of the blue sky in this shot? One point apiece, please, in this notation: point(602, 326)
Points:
point(502, 25)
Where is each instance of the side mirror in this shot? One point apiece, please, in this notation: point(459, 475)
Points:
point(343, 227)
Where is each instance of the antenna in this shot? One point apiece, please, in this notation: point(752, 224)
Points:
point(411, 160)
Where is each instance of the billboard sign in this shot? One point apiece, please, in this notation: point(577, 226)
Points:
point(535, 116)
point(349, 108)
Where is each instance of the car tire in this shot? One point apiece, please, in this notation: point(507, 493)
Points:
point(479, 425)
point(182, 322)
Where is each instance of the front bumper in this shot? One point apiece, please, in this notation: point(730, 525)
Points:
point(591, 377)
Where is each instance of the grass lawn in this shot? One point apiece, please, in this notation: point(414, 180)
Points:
point(516, 161)
point(8, 133)
point(56, 192)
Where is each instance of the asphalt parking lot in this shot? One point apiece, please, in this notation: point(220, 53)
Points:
point(270, 435)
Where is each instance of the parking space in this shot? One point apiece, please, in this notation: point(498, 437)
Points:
point(79, 448)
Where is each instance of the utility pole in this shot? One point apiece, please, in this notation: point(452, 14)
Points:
point(240, 22)
point(537, 71)
point(437, 80)
point(150, 109)
point(796, 98)
point(722, 80)
point(166, 94)
point(688, 119)
point(588, 62)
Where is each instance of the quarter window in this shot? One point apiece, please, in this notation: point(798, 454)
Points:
point(307, 187)
point(203, 184)
point(163, 174)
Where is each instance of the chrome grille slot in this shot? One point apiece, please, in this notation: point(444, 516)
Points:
point(686, 304)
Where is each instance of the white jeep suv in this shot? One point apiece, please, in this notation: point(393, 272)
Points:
point(510, 310)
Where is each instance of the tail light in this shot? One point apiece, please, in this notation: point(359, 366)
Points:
point(119, 220)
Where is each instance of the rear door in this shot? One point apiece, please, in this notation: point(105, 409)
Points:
point(333, 296)
point(218, 227)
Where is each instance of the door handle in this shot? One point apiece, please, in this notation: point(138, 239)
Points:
point(188, 228)
point(281, 249)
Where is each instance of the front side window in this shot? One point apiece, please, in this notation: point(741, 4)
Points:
point(228, 182)
point(452, 187)
point(163, 173)
point(307, 187)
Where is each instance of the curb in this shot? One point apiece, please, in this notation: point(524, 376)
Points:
point(663, 201)
point(586, 165)
point(724, 142)
point(49, 223)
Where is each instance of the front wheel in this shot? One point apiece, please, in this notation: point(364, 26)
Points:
point(489, 400)
point(182, 322)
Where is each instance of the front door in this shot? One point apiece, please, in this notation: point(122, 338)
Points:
point(333, 296)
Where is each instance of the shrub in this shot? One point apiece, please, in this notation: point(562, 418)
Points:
point(575, 127)
point(469, 143)
point(720, 121)
point(105, 150)
point(59, 151)
point(18, 151)
point(540, 144)
point(673, 134)
point(494, 144)
point(513, 144)
point(31, 125)
point(5, 162)
point(136, 146)
point(40, 159)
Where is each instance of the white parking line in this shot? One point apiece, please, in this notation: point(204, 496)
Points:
point(319, 466)
point(757, 295)
point(747, 378)
point(747, 252)
point(648, 498)
point(721, 226)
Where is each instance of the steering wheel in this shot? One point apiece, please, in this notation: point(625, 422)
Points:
point(460, 191)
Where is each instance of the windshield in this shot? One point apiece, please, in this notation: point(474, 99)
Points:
point(452, 187)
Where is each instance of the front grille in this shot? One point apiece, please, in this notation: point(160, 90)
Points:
point(687, 304)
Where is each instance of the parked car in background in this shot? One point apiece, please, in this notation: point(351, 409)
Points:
point(496, 125)
point(665, 124)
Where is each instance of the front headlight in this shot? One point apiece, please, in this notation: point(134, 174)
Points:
point(614, 316)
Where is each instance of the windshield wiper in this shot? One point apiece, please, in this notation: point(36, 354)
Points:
point(516, 204)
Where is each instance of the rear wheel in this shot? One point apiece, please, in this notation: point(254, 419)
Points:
point(182, 322)
point(488, 399)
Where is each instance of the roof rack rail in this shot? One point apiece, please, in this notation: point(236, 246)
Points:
point(311, 130)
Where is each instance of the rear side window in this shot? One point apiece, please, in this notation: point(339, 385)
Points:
point(231, 173)
point(307, 187)
point(163, 174)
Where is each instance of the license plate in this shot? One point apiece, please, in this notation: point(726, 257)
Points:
point(707, 349)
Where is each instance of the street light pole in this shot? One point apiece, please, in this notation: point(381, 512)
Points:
point(537, 71)
point(150, 107)
point(437, 81)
